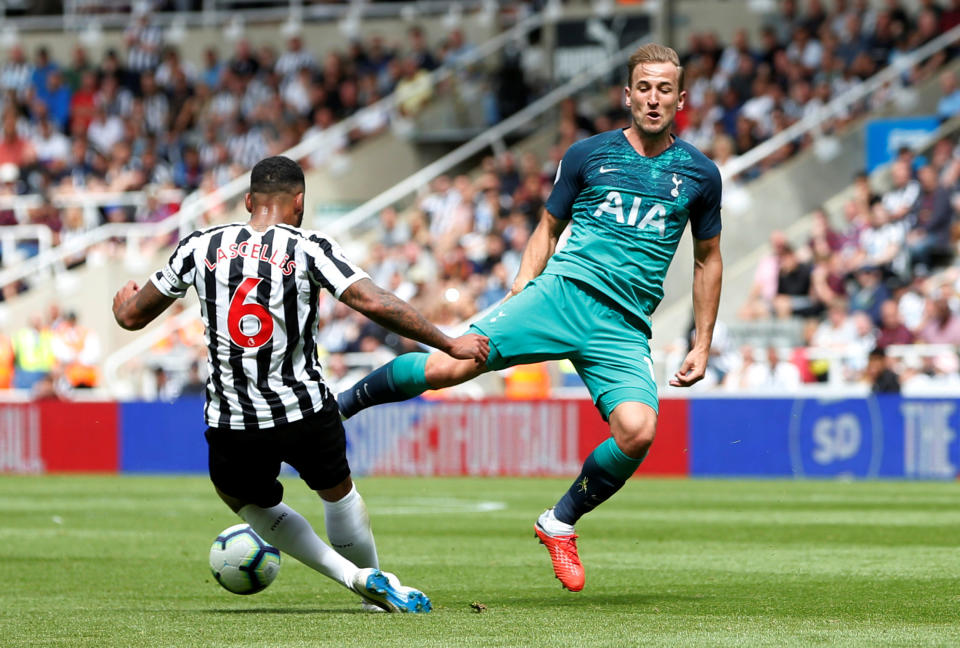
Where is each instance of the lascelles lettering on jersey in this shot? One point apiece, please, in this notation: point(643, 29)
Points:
point(259, 251)
point(262, 348)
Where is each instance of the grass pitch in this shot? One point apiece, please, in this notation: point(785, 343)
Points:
point(122, 561)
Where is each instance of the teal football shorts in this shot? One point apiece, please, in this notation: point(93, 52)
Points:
point(556, 317)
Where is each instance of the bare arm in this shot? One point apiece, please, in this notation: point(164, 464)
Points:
point(389, 311)
point(135, 307)
point(707, 276)
point(540, 247)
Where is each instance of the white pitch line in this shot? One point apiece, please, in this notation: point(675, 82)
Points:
point(428, 505)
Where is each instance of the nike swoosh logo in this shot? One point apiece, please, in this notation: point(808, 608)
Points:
point(606, 170)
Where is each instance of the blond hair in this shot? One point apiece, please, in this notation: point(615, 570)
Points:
point(654, 53)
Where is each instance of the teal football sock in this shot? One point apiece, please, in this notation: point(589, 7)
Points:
point(604, 472)
point(612, 459)
point(402, 378)
point(409, 373)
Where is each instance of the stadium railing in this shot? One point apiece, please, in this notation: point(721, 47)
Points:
point(399, 191)
point(839, 359)
point(12, 236)
point(842, 369)
point(357, 218)
point(90, 202)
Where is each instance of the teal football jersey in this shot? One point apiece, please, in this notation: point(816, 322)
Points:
point(628, 213)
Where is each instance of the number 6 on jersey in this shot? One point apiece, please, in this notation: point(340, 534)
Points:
point(238, 317)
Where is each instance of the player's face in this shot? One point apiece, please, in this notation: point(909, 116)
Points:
point(654, 97)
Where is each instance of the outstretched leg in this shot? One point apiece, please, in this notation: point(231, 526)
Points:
point(604, 472)
point(404, 377)
point(290, 532)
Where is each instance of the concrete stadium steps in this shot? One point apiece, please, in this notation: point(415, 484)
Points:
point(349, 179)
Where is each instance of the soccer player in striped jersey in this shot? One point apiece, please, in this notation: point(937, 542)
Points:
point(258, 283)
point(627, 196)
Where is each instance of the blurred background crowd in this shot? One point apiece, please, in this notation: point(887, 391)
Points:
point(865, 281)
point(145, 120)
point(866, 285)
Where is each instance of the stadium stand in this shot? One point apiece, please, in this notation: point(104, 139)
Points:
point(877, 286)
point(120, 129)
point(197, 125)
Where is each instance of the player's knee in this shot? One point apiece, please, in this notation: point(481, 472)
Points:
point(635, 434)
point(439, 370)
point(443, 371)
point(637, 441)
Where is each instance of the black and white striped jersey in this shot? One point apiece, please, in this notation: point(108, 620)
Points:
point(259, 293)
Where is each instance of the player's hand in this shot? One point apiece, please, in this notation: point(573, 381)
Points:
point(470, 347)
point(691, 370)
point(129, 290)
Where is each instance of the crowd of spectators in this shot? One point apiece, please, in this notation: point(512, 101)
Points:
point(456, 250)
point(142, 118)
point(51, 355)
point(744, 92)
point(885, 276)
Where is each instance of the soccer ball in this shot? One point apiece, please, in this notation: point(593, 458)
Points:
point(242, 561)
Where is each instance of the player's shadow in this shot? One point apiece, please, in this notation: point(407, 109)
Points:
point(282, 610)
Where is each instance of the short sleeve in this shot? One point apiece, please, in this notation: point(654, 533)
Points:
point(329, 267)
point(705, 217)
point(568, 182)
point(178, 274)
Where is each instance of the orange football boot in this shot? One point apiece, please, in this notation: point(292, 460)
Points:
point(563, 554)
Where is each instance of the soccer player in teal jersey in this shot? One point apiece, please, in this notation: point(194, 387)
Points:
point(627, 196)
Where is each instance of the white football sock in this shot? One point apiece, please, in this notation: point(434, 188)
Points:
point(549, 523)
point(348, 529)
point(290, 532)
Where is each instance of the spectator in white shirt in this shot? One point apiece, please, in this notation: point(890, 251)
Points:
point(759, 107)
point(294, 58)
point(295, 91)
point(323, 119)
point(805, 50)
point(901, 198)
point(883, 242)
point(105, 130)
point(172, 66)
point(748, 374)
point(49, 144)
point(784, 375)
point(16, 73)
point(838, 330)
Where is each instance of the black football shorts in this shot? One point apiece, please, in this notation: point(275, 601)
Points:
point(245, 463)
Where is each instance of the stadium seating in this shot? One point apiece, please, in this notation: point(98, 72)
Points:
point(454, 250)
